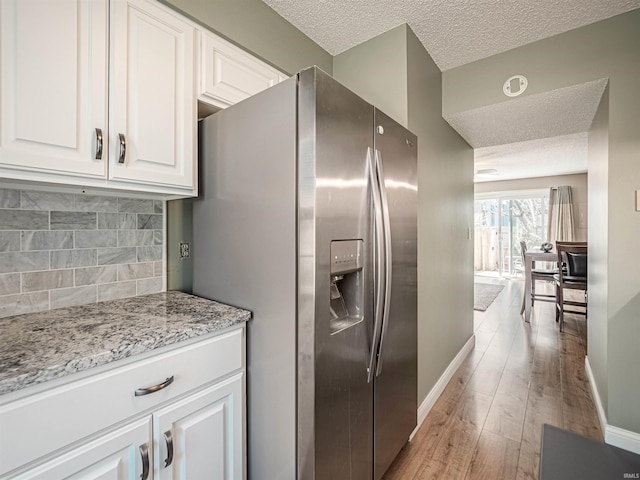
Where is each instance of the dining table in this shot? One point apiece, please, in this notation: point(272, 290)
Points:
point(530, 257)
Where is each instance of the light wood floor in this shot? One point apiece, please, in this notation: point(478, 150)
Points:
point(487, 423)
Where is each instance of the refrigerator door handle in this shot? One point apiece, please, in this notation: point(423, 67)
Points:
point(387, 257)
point(379, 265)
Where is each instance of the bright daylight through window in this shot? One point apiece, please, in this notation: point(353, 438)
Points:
point(501, 222)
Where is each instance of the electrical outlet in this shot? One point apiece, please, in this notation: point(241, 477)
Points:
point(184, 250)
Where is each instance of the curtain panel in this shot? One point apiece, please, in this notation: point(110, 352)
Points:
point(560, 226)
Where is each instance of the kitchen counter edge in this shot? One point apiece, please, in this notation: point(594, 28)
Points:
point(41, 347)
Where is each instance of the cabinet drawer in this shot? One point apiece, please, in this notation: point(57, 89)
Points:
point(40, 424)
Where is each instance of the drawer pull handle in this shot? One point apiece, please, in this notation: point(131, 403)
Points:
point(146, 391)
point(169, 440)
point(144, 453)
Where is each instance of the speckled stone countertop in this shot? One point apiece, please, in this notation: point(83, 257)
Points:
point(38, 347)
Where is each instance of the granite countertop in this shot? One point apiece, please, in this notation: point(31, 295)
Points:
point(38, 347)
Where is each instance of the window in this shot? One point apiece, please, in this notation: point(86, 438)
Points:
point(502, 221)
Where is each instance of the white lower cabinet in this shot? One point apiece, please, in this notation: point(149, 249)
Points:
point(178, 415)
point(200, 437)
point(119, 455)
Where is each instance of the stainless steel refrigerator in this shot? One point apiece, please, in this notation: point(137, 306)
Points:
point(307, 217)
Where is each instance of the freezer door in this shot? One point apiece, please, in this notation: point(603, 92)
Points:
point(335, 406)
point(395, 386)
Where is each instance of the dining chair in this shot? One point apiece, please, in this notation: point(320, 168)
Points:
point(537, 274)
point(573, 257)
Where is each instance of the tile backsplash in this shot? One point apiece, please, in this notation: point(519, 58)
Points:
point(63, 249)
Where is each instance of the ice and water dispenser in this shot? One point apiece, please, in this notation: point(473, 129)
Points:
point(347, 284)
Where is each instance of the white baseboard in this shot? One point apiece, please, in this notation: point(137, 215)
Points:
point(625, 439)
point(602, 416)
point(431, 398)
point(618, 437)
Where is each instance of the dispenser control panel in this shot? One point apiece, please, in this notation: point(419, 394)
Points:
point(346, 256)
point(346, 297)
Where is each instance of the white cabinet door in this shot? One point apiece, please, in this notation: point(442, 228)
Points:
point(152, 95)
point(201, 437)
point(228, 74)
point(53, 93)
point(124, 454)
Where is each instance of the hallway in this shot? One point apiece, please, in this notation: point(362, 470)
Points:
point(487, 423)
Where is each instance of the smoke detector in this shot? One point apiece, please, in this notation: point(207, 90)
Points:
point(515, 85)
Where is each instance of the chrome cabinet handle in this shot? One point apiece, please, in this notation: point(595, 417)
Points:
point(169, 441)
point(123, 148)
point(98, 155)
point(147, 390)
point(144, 453)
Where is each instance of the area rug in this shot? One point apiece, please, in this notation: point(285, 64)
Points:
point(484, 294)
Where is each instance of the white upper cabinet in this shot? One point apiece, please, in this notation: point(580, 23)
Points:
point(60, 84)
point(103, 93)
point(228, 74)
point(152, 102)
point(54, 86)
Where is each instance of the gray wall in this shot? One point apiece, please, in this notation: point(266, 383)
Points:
point(607, 49)
point(357, 67)
point(254, 26)
point(598, 241)
point(179, 230)
point(445, 251)
point(408, 88)
point(579, 190)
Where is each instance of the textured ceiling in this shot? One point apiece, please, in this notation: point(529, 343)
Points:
point(454, 32)
point(535, 135)
point(550, 114)
point(534, 158)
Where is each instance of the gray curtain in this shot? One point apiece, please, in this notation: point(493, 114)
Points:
point(560, 226)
